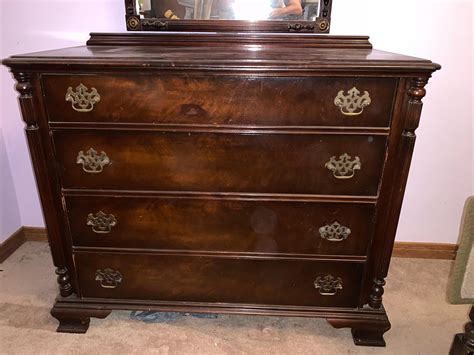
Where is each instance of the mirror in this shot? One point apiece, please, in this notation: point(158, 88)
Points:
point(229, 15)
point(250, 10)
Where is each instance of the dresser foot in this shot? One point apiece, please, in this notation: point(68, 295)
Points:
point(364, 337)
point(463, 343)
point(365, 332)
point(76, 320)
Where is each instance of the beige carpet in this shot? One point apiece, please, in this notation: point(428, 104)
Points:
point(422, 321)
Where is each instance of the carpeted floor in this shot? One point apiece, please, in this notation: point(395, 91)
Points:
point(422, 321)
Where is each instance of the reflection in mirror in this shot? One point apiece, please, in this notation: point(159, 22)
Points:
point(307, 10)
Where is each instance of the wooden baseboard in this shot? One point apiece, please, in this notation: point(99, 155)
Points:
point(11, 244)
point(425, 250)
point(35, 234)
point(400, 250)
point(16, 240)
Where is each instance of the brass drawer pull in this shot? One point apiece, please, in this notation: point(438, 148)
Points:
point(328, 285)
point(335, 232)
point(344, 167)
point(101, 223)
point(352, 104)
point(108, 278)
point(82, 100)
point(92, 162)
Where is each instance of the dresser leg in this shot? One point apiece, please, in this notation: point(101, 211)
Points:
point(365, 332)
point(368, 337)
point(463, 343)
point(76, 320)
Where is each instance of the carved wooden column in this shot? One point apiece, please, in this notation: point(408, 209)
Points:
point(33, 135)
point(375, 297)
point(416, 93)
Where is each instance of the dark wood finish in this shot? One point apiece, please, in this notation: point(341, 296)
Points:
point(28, 87)
point(400, 249)
point(224, 101)
point(350, 316)
point(365, 332)
point(406, 122)
point(241, 54)
point(216, 172)
point(76, 320)
point(375, 297)
point(187, 278)
point(221, 225)
point(199, 39)
point(221, 162)
point(463, 343)
point(135, 23)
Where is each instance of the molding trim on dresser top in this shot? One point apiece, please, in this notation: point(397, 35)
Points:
point(272, 173)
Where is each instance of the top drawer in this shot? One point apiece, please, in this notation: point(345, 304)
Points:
point(220, 100)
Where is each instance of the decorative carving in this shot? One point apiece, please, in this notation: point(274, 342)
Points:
point(334, 232)
point(352, 104)
point(154, 23)
point(64, 281)
point(325, 8)
point(101, 223)
point(130, 7)
point(416, 93)
point(108, 278)
point(328, 285)
point(323, 25)
point(82, 100)
point(344, 167)
point(136, 22)
point(37, 149)
point(375, 297)
point(24, 87)
point(92, 162)
point(300, 27)
point(133, 23)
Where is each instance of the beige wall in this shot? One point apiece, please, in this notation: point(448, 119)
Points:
point(441, 177)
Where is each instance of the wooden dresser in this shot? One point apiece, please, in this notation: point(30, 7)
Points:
point(222, 173)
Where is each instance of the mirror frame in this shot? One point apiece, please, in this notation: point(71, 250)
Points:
point(136, 23)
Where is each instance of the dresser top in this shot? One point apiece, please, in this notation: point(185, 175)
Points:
point(222, 52)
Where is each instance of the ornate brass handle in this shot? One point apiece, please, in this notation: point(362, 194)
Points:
point(108, 278)
point(344, 167)
point(328, 285)
point(352, 104)
point(334, 232)
point(82, 100)
point(101, 223)
point(92, 162)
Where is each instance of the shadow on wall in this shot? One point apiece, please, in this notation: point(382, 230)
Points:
point(10, 219)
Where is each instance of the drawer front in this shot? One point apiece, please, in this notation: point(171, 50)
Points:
point(223, 280)
point(185, 161)
point(220, 100)
point(221, 225)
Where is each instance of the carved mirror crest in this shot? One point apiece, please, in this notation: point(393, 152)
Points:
point(229, 15)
